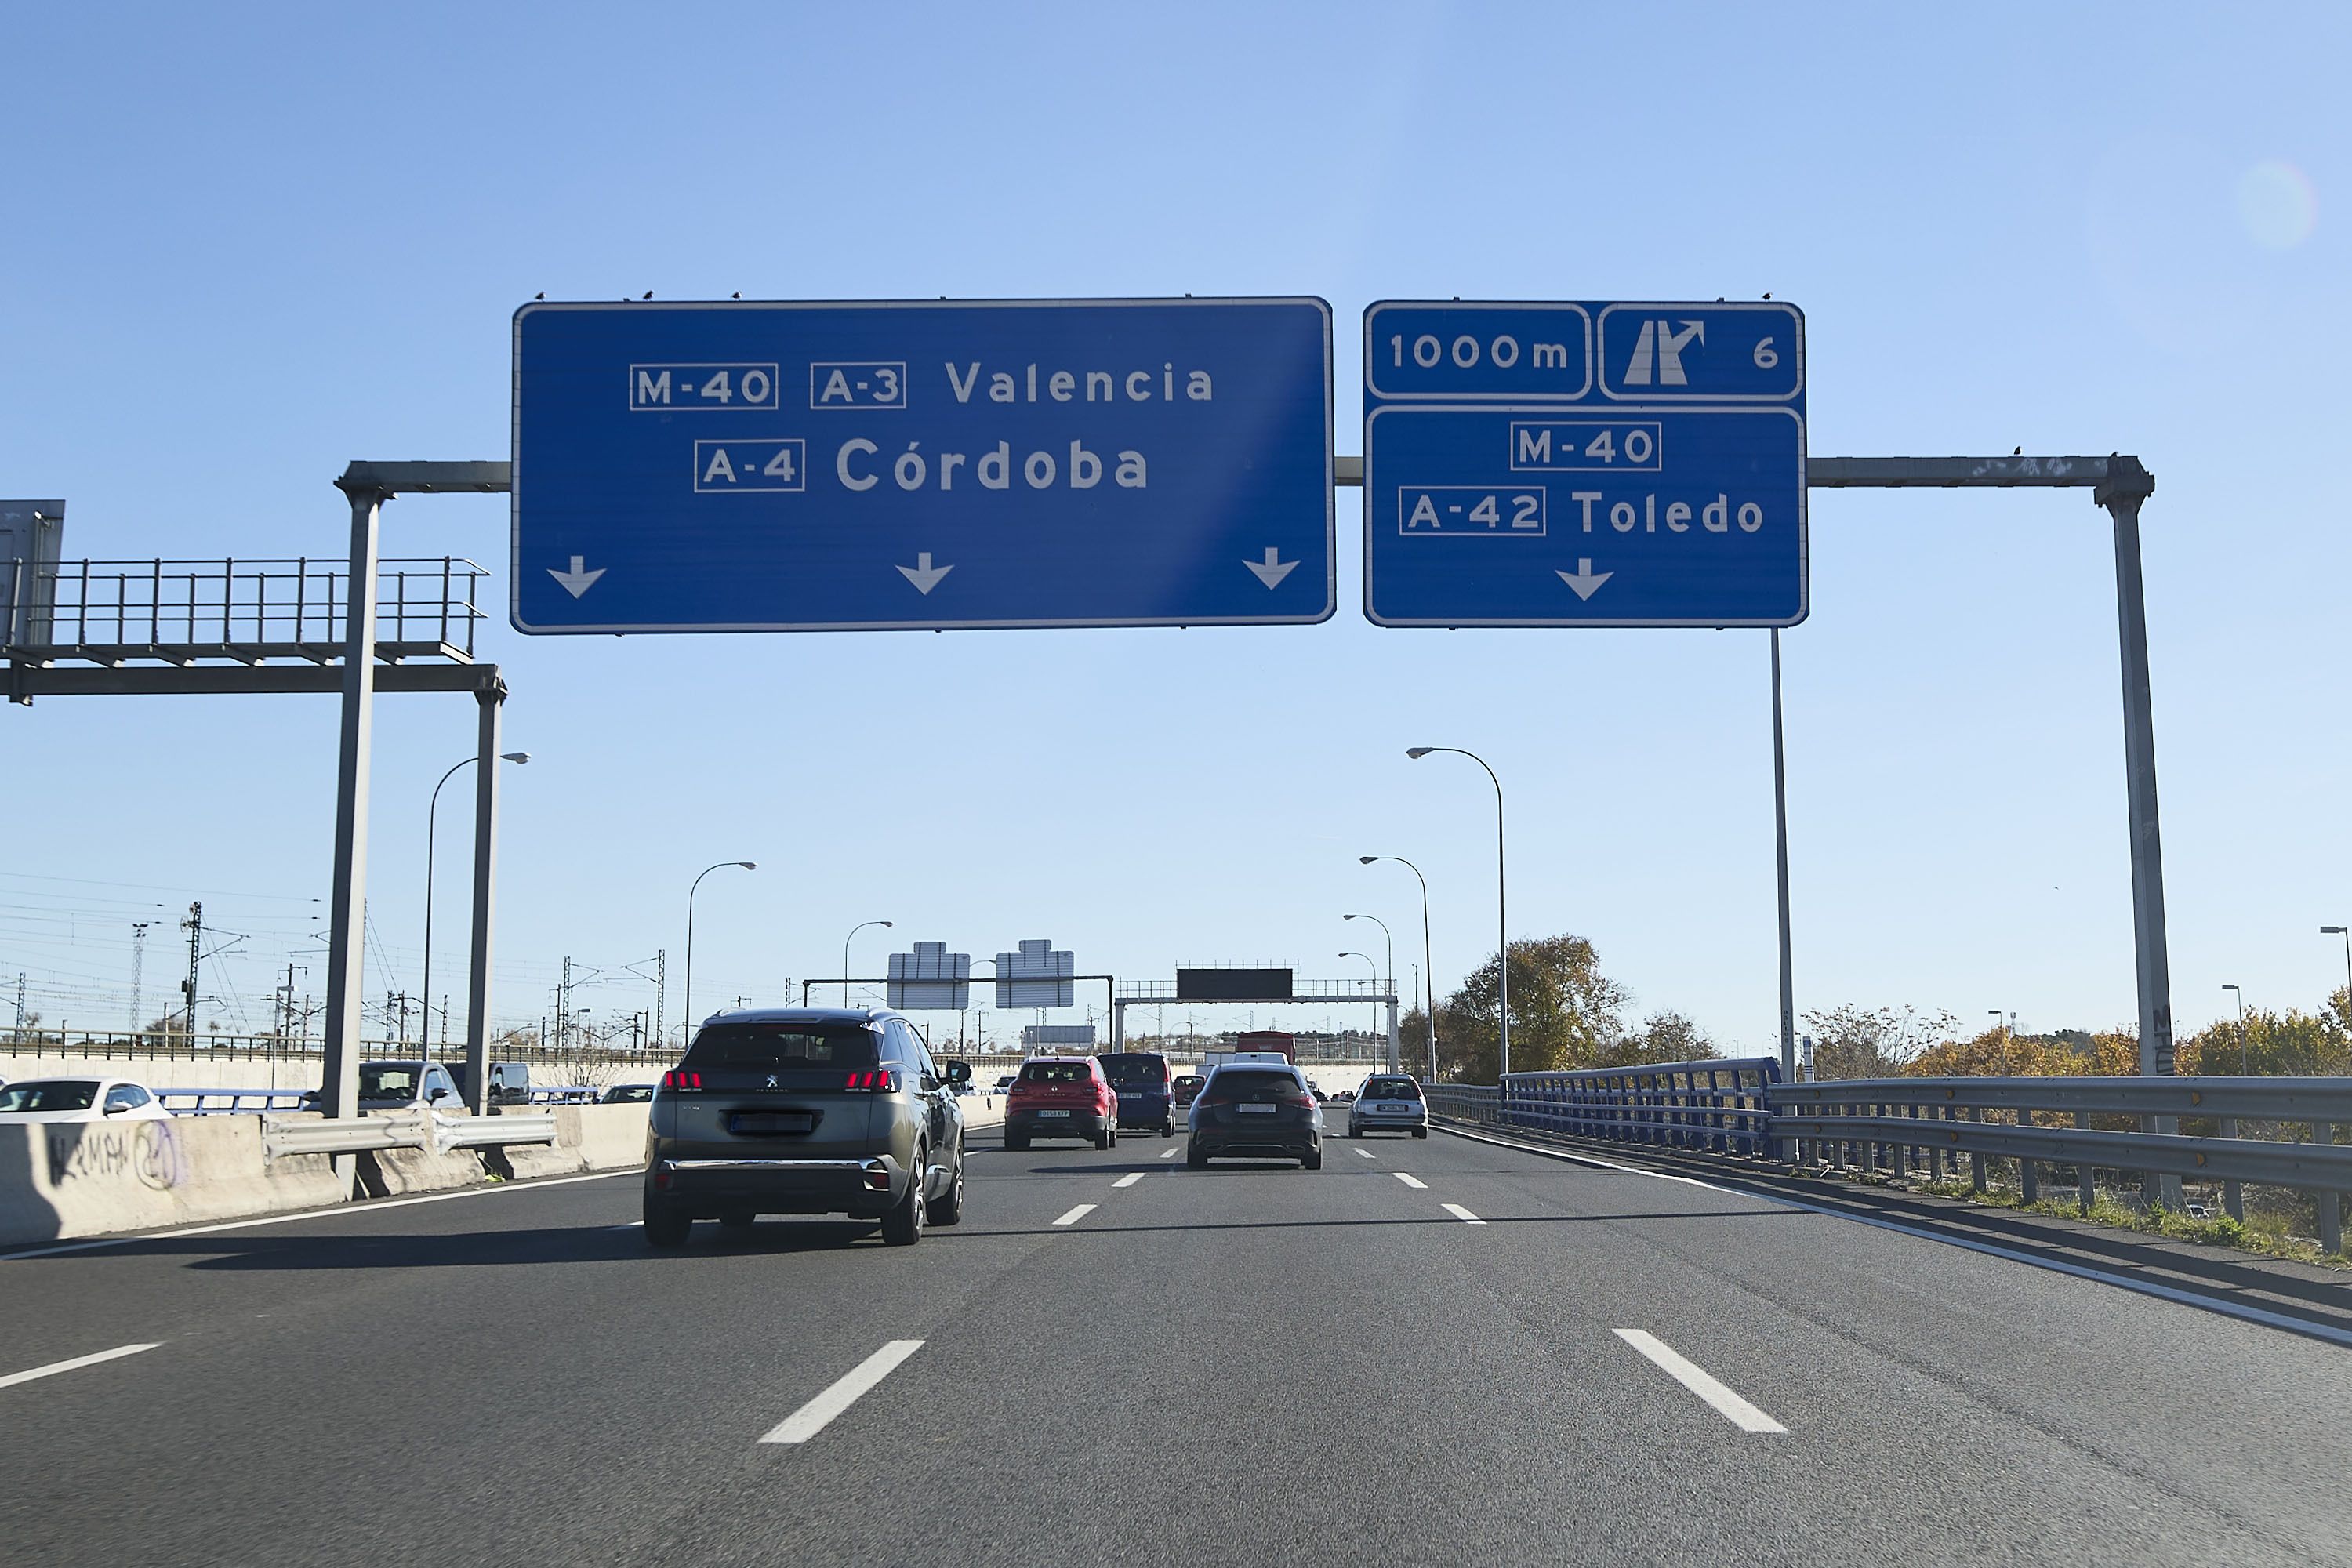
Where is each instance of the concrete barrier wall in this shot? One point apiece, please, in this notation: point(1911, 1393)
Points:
point(81, 1179)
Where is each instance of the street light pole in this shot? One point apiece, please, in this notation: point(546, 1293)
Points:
point(1386, 937)
point(432, 821)
point(687, 1010)
point(2345, 932)
point(1502, 914)
point(844, 955)
point(1429, 968)
point(2244, 1071)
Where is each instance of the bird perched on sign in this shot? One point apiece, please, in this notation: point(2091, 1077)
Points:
point(649, 293)
point(2016, 451)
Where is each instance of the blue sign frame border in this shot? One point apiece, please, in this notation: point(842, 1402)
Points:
point(1620, 410)
point(514, 498)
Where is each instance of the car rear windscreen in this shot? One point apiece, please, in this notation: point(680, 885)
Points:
point(1241, 1083)
point(1390, 1088)
point(1055, 1072)
point(1134, 1070)
point(768, 1048)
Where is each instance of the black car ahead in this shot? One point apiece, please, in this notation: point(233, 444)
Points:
point(1255, 1108)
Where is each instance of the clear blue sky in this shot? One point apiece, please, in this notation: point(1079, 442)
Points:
point(248, 244)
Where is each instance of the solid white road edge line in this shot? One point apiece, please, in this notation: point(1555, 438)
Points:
point(1415, 1183)
point(2267, 1319)
point(1075, 1214)
point(1465, 1216)
point(367, 1206)
point(55, 1367)
point(1129, 1180)
point(1695, 1378)
point(812, 1418)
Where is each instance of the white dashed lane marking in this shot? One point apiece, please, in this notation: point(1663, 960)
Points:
point(55, 1367)
point(1129, 1180)
point(812, 1418)
point(1075, 1214)
point(1695, 1378)
point(1465, 1216)
point(1415, 1183)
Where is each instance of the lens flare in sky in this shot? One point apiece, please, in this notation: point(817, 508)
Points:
point(2278, 203)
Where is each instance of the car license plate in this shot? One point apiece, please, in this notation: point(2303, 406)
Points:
point(1392, 1108)
point(1256, 1109)
point(774, 1121)
point(1052, 1113)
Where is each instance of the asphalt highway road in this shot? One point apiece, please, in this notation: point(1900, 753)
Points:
point(1504, 1359)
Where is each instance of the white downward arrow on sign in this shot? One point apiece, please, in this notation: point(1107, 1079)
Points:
point(577, 581)
point(1584, 579)
point(1273, 569)
point(923, 574)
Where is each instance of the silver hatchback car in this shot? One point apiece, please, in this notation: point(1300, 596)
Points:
point(1388, 1102)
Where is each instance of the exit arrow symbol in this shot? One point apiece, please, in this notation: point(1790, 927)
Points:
point(577, 581)
point(1274, 569)
point(923, 574)
point(1584, 579)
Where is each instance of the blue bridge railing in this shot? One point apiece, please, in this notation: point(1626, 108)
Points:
point(1717, 1105)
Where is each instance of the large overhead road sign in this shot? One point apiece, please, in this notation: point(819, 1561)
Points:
point(835, 466)
point(1584, 465)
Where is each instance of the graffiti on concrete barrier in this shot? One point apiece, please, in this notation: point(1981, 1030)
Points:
point(146, 1151)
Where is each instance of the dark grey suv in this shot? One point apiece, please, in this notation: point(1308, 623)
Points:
point(806, 1110)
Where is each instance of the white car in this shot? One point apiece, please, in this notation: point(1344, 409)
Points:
point(79, 1100)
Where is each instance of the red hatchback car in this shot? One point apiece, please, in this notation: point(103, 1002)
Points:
point(1061, 1097)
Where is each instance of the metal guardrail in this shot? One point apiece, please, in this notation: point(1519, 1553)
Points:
point(282, 1136)
point(1909, 1122)
point(1738, 1107)
point(483, 1131)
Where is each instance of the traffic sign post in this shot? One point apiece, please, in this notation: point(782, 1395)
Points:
point(833, 467)
point(1593, 465)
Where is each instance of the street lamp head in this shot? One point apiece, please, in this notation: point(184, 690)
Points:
point(1366, 860)
point(1417, 752)
point(887, 923)
point(2227, 988)
point(515, 756)
point(748, 864)
point(2331, 931)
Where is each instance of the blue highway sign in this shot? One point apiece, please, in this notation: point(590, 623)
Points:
point(1584, 464)
point(835, 466)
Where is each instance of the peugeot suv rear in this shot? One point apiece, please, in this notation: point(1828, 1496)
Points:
point(1255, 1108)
point(811, 1111)
point(1145, 1089)
point(1061, 1097)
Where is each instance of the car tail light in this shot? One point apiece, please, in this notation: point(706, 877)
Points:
point(877, 1175)
point(1306, 1099)
point(876, 1080)
point(678, 1081)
